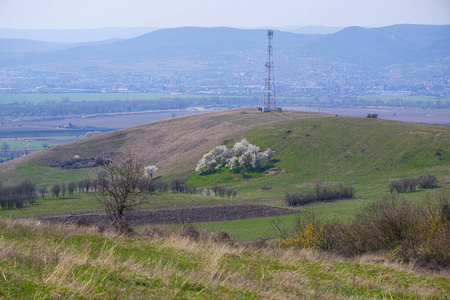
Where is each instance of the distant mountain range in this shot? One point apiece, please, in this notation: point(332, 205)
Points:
point(386, 45)
point(69, 36)
point(311, 29)
point(354, 60)
point(375, 46)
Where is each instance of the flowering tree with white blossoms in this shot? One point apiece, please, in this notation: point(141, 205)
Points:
point(242, 154)
point(150, 171)
point(214, 159)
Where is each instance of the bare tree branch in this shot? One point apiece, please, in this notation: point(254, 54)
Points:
point(118, 188)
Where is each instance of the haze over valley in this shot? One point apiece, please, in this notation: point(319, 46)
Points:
point(394, 61)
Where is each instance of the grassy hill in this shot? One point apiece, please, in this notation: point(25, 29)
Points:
point(48, 261)
point(175, 145)
point(366, 153)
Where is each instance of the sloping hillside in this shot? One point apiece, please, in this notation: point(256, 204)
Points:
point(175, 145)
point(309, 146)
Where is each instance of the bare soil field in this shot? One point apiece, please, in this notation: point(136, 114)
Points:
point(183, 215)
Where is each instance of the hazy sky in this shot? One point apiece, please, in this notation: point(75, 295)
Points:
point(75, 14)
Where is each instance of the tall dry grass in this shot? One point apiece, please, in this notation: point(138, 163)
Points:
point(183, 262)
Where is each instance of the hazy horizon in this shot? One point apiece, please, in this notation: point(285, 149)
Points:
point(97, 14)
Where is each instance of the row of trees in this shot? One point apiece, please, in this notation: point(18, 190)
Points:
point(16, 197)
point(121, 186)
point(66, 106)
point(242, 154)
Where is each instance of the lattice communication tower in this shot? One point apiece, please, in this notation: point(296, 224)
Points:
point(270, 93)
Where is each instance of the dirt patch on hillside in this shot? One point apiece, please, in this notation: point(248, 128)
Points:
point(184, 215)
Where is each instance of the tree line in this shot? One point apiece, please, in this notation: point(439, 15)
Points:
point(66, 106)
point(16, 197)
point(26, 193)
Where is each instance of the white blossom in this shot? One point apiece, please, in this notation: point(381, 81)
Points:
point(214, 159)
point(207, 192)
point(240, 147)
point(269, 152)
point(232, 162)
point(241, 154)
point(150, 171)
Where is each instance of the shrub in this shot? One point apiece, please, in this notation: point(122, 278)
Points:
point(118, 189)
point(403, 185)
point(320, 194)
point(299, 199)
point(427, 182)
point(223, 192)
point(312, 233)
point(405, 231)
point(382, 225)
point(409, 184)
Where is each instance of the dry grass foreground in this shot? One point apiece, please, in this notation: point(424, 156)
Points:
point(43, 261)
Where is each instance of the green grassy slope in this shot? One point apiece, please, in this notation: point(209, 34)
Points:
point(309, 143)
point(365, 153)
point(362, 152)
point(174, 145)
point(39, 261)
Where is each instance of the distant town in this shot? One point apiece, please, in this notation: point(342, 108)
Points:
point(400, 60)
point(317, 82)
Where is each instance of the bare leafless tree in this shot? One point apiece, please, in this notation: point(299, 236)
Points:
point(63, 189)
point(56, 189)
point(71, 187)
point(118, 189)
point(42, 191)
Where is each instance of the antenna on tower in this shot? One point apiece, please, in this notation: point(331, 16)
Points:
point(270, 102)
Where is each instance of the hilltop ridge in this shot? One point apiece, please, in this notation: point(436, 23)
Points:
point(309, 146)
point(172, 144)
